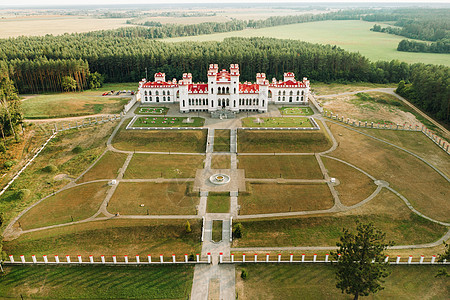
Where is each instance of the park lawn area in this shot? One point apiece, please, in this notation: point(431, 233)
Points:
point(163, 165)
point(111, 237)
point(283, 141)
point(69, 105)
point(427, 191)
point(220, 161)
point(415, 142)
point(151, 110)
point(168, 122)
point(275, 198)
point(277, 122)
point(79, 202)
point(221, 140)
point(322, 88)
point(386, 211)
point(158, 199)
point(217, 230)
point(98, 282)
point(190, 141)
point(34, 184)
point(317, 281)
point(218, 203)
point(106, 168)
point(354, 186)
point(296, 111)
point(285, 166)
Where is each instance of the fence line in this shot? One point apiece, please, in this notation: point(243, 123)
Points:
point(440, 142)
point(86, 122)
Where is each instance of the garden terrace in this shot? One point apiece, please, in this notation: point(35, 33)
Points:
point(167, 122)
point(277, 122)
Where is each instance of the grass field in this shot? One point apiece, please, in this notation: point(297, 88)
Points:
point(97, 282)
point(112, 237)
point(192, 141)
point(106, 168)
point(69, 105)
point(318, 282)
point(168, 122)
point(425, 189)
point(165, 166)
point(321, 88)
point(352, 35)
point(282, 141)
point(289, 166)
point(217, 230)
point(220, 161)
point(296, 111)
point(276, 122)
point(151, 110)
point(78, 203)
point(218, 203)
point(157, 198)
point(222, 140)
point(386, 211)
point(273, 198)
point(353, 186)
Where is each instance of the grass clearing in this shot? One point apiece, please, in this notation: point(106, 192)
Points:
point(218, 203)
point(106, 168)
point(220, 162)
point(285, 166)
point(164, 166)
point(97, 282)
point(221, 140)
point(354, 186)
point(307, 281)
point(157, 199)
point(386, 211)
point(191, 141)
point(323, 88)
point(350, 35)
point(111, 237)
point(70, 104)
point(282, 141)
point(276, 122)
point(296, 111)
point(274, 198)
point(73, 204)
point(217, 230)
point(151, 110)
point(168, 122)
point(426, 190)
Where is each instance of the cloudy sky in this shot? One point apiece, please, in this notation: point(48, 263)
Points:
point(96, 2)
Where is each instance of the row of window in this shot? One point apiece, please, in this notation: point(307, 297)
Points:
point(156, 93)
point(290, 98)
point(291, 93)
point(248, 101)
point(157, 98)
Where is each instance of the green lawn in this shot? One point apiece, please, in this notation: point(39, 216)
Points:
point(165, 166)
point(106, 168)
point(285, 166)
point(97, 282)
point(168, 122)
point(111, 237)
point(276, 122)
point(218, 203)
point(296, 111)
point(352, 35)
point(217, 230)
point(310, 281)
point(222, 140)
point(151, 110)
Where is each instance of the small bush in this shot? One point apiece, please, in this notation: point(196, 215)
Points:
point(23, 194)
point(244, 274)
point(9, 163)
point(50, 169)
point(238, 230)
point(77, 149)
point(188, 227)
point(191, 257)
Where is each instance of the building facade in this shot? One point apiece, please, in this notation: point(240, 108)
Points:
point(223, 91)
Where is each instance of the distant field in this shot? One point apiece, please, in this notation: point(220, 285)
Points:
point(56, 25)
point(353, 36)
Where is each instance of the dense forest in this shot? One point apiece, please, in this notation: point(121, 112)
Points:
point(442, 46)
point(10, 110)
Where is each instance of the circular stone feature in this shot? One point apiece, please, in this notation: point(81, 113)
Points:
point(219, 179)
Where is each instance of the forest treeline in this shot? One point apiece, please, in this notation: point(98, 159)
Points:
point(442, 46)
point(10, 109)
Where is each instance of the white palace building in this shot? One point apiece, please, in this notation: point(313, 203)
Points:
point(224, 91)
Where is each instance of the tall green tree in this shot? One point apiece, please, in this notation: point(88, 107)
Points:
point(360, 267)
point(68, 83)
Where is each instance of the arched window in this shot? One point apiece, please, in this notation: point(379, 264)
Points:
point(157, 99)
point(145, 93)
point(284, 93)
point(284, 98)
point(279, 92)
point(150, 99)
point(164, 98)
point(178, 94)
point(302, 98)
point(235, 90)
point(212, 91)
point(298, 92)
point(228, 90)
point(189, 101)
point(168, 92)
point(279, 98)
point(150, 92)
point(184, 103)
point(168, 98)
point(263, 102)
point(156, 93)
point(164, 92)
point(270, 94)
point(234, 103)
point(228, 102)
point(303, 92)
point(212, 103)
point(290, 99)
point(206, 101)
point(297, 98)
point(290, 93)
point(146, 98)
point(257, 101)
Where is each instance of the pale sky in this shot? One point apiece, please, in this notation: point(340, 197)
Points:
point(110, 2)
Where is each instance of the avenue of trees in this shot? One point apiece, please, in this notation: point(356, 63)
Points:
point(10, 110)
point(442, 46)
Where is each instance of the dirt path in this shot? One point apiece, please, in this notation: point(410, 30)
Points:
point(67, 119)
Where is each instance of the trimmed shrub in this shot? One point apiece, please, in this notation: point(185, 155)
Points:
point(50, 169)
point(244, 274)
point(238, 230)
point(77, 149)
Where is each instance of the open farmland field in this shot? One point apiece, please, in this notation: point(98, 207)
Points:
point(352, 35)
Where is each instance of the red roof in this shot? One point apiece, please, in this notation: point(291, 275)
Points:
point(200, 88)
point(223, 75)
point(289, 74)
point(289, 84)
point(151, 84)
point(248, 88)
point(159, 74)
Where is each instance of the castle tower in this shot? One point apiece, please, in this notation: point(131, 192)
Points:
point(289, 76)
point(160, 77)
point(212, 87)
point(234, 87)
